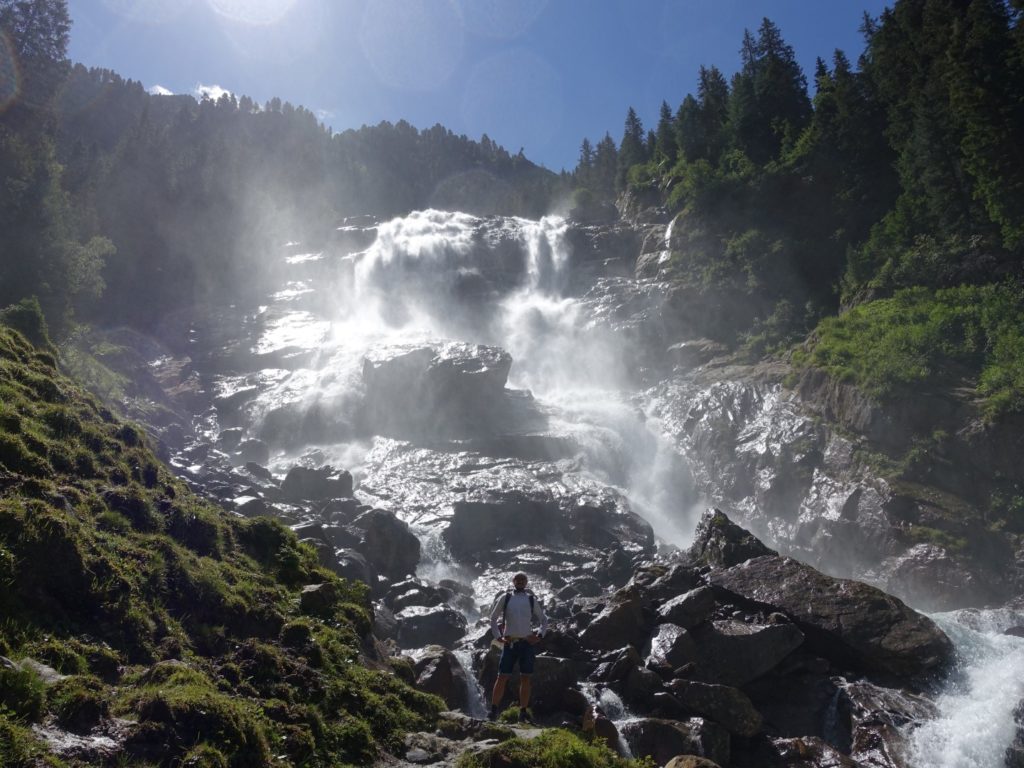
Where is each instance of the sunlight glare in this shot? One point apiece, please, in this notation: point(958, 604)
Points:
point(412, 44)
point(148, 11)
point(498, 18)
point(252, 11)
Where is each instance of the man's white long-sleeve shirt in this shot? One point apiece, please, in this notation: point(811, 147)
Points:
point(518, 617)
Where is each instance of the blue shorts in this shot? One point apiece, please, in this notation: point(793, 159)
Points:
point(521, 651)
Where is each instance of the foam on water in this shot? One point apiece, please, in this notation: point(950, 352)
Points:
point(975, 724)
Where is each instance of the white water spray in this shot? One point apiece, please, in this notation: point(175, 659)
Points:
point(975, 724)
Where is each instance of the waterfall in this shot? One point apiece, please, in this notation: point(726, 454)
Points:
point(475, 694)
point(975, 723)
point(436, 276)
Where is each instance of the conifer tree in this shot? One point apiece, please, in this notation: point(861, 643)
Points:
point(665, 146)
point(632, 148)
point(713, 93)
point(690, 129)
point(606, 163)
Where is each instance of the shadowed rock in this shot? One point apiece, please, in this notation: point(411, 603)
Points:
point(387, 543)
point(735, 653)
point(303, 483)
point(689, 609)
point(438, 671)
point(624, 621)
point(728, 706)
point(439, 625)
point(440, 389)
point(663, 740)
point(844, 620)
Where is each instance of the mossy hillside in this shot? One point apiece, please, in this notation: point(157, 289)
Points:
point(163, 610)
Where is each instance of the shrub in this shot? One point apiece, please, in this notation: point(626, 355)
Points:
point(891, 347)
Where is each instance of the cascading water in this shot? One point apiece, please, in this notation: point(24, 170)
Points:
point(440, 275)
point(975, 723)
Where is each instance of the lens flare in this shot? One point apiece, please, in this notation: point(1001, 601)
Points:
point(496, 18)
point(148, 11)
point(413, 45)
point(259, 12)
point(10, 77)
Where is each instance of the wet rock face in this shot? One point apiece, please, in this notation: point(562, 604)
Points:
point(807, 491)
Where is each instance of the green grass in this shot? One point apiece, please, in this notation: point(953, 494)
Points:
point(894, 347)
point(164, 610)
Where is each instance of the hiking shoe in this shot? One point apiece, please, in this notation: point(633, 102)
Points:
point(493, 714)
point(524, 716)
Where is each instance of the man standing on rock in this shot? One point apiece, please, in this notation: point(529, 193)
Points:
point(512, 622)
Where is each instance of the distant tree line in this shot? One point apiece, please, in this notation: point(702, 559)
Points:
point(906, 170)
point(155, 202)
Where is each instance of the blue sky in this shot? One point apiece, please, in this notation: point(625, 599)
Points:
point(533, 74)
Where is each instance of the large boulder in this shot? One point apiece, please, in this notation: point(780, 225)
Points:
point(735, 653)
point(439, 625)
point(721, 543)
point(728, 706)
point(438, 671)
point(506, 519)
point(672, 646)
point(624, 621)
point(662, 740)
point(309, 484)
point(844, 620)
point(689, 609)
point(387, 543)
point(691, 761)
point(442, 389)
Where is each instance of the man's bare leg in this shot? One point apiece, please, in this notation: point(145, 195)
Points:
point(498, 693)
point(524, 691)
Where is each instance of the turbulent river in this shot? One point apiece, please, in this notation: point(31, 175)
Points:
point(577, 379)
